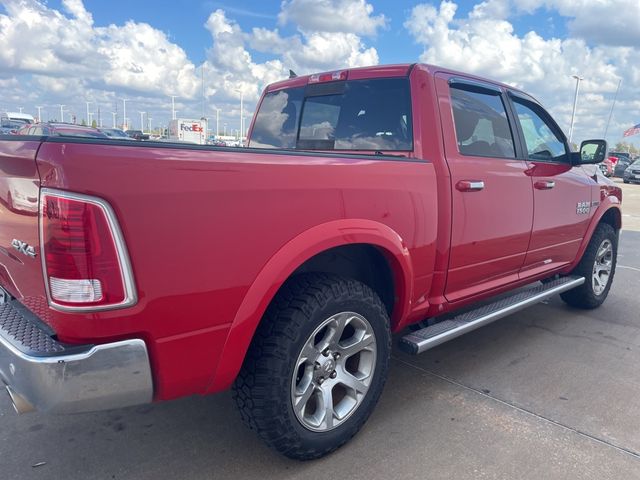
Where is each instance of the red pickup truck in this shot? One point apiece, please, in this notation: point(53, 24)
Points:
point(369, 201)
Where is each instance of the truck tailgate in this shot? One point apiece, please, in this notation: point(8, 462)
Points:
point(20, 267)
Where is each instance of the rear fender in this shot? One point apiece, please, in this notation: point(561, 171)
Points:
point(287, 260)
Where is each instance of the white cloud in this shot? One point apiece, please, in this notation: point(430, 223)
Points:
point(61, 56)
point(611, 22)
point(307, 51)
point(336, 16)
point(484, 42)
point(134, 56)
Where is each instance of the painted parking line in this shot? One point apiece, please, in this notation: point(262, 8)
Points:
point(629, 268)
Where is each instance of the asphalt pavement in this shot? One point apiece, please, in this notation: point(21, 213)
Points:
point(548, 393)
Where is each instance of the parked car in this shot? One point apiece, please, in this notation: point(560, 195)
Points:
point(60, 129)
point(137, 134)
point(115, 134)
point(369, 200)
point(606, 167)
point(621, 160)
point(632, 173)
point(10, 127)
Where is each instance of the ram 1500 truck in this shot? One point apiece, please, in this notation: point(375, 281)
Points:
point(369, 200)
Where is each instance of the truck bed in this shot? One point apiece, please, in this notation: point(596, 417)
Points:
point(200, 223)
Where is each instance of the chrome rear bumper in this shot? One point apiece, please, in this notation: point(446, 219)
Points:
point(43, 374)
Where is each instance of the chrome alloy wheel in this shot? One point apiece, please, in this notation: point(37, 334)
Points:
point(602, 267)
point(333, 372)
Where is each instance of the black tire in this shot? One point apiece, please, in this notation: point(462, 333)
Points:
point(586, 296)
point(263, 390)
point(625, 181)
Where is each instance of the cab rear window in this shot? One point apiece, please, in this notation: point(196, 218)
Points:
point(372, 114)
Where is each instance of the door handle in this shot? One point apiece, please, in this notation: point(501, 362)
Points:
point(470, 185)
point(544, 184)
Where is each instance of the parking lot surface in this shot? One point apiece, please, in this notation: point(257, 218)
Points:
point(548, 393)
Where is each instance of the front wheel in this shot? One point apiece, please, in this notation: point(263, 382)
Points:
point(597, 266)
point(316, 367)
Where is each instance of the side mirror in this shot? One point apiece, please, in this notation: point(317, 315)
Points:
point(592, 152)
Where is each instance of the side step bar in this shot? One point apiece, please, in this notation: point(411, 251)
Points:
point(422, 340)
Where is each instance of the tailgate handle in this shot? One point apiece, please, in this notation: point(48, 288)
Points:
point(545, 184)
point(470, 185)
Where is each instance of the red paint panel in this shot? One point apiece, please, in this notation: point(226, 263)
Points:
point(490, 227)
point(558, 227)
point(200, 225)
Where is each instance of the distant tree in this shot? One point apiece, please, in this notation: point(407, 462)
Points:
point(94, 124)
point(83, 122)
point(626, 147)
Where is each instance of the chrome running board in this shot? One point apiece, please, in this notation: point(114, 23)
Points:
point(422, 340)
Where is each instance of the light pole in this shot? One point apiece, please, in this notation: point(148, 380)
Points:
point(575, 103)
point(114, 115)
point(62, 113)
point(217, 122)
point(89, 120)
point(173, 106)
point(141, 121)
point(124, 113)
point(615, 97)
point(225, 129)
point(88, 114)
point(39, 114)
point(241, 109)
point(20, 108)
point(204, 106)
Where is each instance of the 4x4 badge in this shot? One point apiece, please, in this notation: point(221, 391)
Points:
point(24, 248)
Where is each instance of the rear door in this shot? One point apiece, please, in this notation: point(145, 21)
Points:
point(492, 197)
point(562, 192)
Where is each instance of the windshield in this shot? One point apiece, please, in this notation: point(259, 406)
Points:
point(13, 124)
point(373, 114)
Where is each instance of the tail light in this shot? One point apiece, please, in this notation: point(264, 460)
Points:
point(329, 77)
point(85, 262)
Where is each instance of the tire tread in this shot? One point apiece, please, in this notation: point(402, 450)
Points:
point(583, 296)
point(259, 384)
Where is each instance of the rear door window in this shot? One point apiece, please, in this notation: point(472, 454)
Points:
point(482, 127)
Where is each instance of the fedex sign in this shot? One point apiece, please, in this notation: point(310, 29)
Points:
point(194, 127)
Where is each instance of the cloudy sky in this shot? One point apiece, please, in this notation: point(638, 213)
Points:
point(72, 51)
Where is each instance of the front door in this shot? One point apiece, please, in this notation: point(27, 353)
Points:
point(561, 193)
point(492, 201)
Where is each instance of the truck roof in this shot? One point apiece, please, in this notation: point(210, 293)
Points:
point(384, 71)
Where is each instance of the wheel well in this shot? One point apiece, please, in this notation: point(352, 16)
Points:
point(612, 217)
point(362, 262)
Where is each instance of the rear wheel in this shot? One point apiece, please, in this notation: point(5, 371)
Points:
point(597, 266)
point(316, 367)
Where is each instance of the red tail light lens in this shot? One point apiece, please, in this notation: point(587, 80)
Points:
point(328, 77)
point(86, 264)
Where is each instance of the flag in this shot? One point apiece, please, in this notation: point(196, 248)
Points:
point(632, 131)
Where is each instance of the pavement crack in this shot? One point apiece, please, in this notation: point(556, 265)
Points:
point(487, 394)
